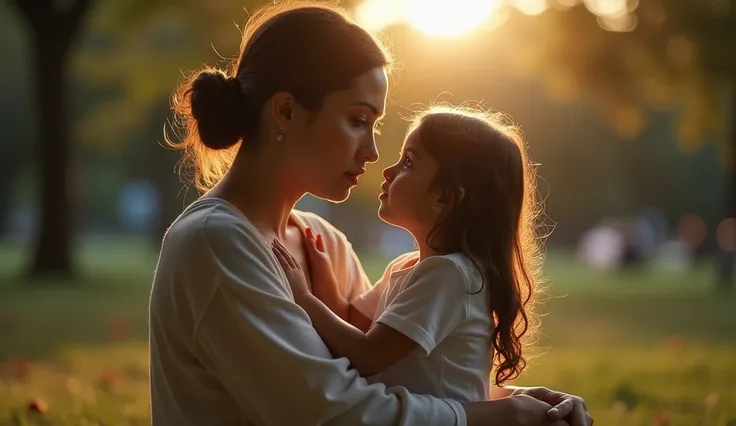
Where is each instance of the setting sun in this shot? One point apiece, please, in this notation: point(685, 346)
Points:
point(436, 18)
point(430, 16)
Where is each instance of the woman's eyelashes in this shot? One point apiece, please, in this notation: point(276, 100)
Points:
point(359, 122)
point(364, 122)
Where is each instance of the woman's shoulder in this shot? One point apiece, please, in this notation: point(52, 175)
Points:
point(210, 246)
point(313, 220)
point(320, 225)
point(345, 262)
point(203, 213)
point(209, 222)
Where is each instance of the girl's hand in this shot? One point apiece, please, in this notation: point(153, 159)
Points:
point(324, 283)
point(292, 269)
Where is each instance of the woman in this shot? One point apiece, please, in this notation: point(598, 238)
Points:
point(228, 345)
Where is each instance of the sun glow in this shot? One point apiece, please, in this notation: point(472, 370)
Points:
point(434, 17)
point(443, 18)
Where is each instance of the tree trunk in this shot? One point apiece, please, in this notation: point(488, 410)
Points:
point(53, 242)
point(52, 31)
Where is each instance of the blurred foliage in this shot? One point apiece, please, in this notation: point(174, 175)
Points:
point(554, 73)
point(142, 49)
point(678, 55)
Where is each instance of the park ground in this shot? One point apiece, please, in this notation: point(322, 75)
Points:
point(644, 347)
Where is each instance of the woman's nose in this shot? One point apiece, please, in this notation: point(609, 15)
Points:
point(369, 151)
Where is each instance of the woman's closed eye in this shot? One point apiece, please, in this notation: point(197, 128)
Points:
point(363, 122)
point(359, 121)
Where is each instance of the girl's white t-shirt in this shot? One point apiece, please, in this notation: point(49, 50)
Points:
point(441, 304)
point(229, 347)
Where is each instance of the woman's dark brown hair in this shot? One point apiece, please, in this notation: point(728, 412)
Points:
point(304, 48)
point(493, 219)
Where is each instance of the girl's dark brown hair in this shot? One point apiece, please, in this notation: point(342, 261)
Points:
point(493, 219)
point(308, 49)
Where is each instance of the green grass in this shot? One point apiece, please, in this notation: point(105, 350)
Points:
point(639, 346)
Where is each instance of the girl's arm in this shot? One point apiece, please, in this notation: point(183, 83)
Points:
point(344, 340)
point(327, 291)
point(326, 286)
point(498, 392)
point(370, 353)
point(431, 306)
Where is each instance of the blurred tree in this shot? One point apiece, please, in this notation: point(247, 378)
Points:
point(52, 27)
point(15, 112)
point(137, 47)
point(141, 49)
point(630, 56)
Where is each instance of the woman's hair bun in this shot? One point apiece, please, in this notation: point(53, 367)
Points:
point(217, 103)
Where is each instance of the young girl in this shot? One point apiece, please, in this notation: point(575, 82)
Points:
point(441, 318)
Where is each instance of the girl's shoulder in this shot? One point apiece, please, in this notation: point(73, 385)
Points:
point(404, 261)
point(457, 266)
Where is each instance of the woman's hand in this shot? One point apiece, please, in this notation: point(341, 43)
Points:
point(520, 410)
point(293, 271)
point(564, 406)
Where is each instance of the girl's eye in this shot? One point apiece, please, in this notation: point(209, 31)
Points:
point(407, 162)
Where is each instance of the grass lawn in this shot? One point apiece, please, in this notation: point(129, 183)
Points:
point(643, 347)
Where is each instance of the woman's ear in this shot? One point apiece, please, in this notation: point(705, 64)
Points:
point(286, 111)
point(281, 109)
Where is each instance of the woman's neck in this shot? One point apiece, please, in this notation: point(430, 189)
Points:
point(261, 193)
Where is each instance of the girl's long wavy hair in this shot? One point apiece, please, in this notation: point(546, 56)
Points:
point(494, 219)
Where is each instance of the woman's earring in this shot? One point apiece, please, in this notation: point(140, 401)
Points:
point(280, 137)
point(436, 209)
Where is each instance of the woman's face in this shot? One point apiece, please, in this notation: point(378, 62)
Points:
point(333, 145)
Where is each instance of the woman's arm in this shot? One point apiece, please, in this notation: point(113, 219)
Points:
point(263, 349)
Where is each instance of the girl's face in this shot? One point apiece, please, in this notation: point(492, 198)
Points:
point(329, 149)
point(407, 198)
